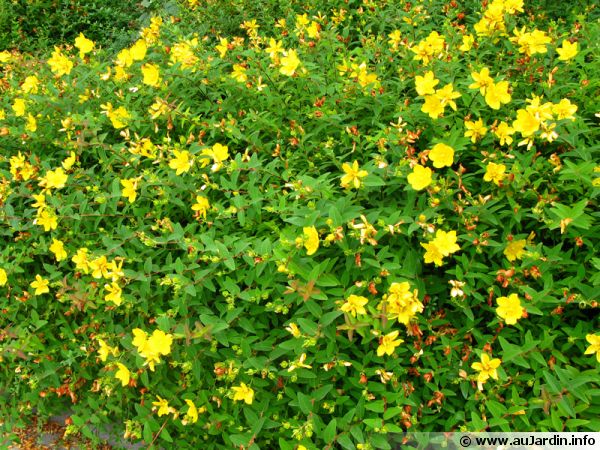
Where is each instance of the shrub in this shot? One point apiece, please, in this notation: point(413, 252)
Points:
point(316, 231)
point(35, 25)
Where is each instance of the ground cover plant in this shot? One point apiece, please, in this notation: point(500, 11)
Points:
point(318, 227)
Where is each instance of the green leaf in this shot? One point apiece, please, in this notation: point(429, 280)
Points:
point(329, 431)
point(305, 403)
point(380, 441)
point(345, 442)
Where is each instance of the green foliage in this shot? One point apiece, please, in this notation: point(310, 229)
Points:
point(35, 25)
point(240, 265)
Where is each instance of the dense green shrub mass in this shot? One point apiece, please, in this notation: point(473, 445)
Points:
point(321, 227)
point(34, 25)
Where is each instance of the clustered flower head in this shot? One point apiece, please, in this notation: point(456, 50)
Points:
point(152, 347)
point(401, 303)
point(444, 244)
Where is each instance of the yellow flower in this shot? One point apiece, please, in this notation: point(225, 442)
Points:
point(420, 177)
point(60, 64)
point(183, 53)
point(509, 308)
point(54, 179)
point(119, 117)
point(158, 108)
point(124, 59)
point(201, 205)
point(81, 260)
point(113, 293)
point(513, 6)
point(293, 329)
point(192, 413)
point(299, 363)
point(433, 106)
point(27, 171)
point(496, 94)
point(5, 56)
point(152, 347)
point(531, 43)
point(3, 277)
point(486, 368)
point(362, 75)
point(68, 162)
point(223, 47)
point(239, 73)
point(40, 285)
point(467, 43)
point(429, 47)
point(244, 393)
point(31, 123)
point(395, 39)
point(104, 351)
point(138, 50)
point(402, 303)
point(515, 249)
point(251, 27)
point(482, 80)
point(114, 270)
point(504, 132)
point(274, 49)
point(537, 42)
point(151, 33)
point(121, 74)
point(311, 240)
point(129, 189)
point(99, 267)
point(388, 343)
point(567, 51)
point(495, 172)
point(475, 130)
point(16, 162)
point(218, 153)
point(594, 340)
point(163, 407)
point(289, 63)
point(447, 94)
point(58, 249)
point(446, 242)
point(425, 84)
point(355, 304)
point(83, 44)
point(432, 254)
point(151, 73)
point(30, 85)
point(353, 176)
point(313, 30)
point(526, 123)
point(19, 107)
point(182, 162)
point(123, 374)
point(564, 109)
point(442, 155)
point(47, 219)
